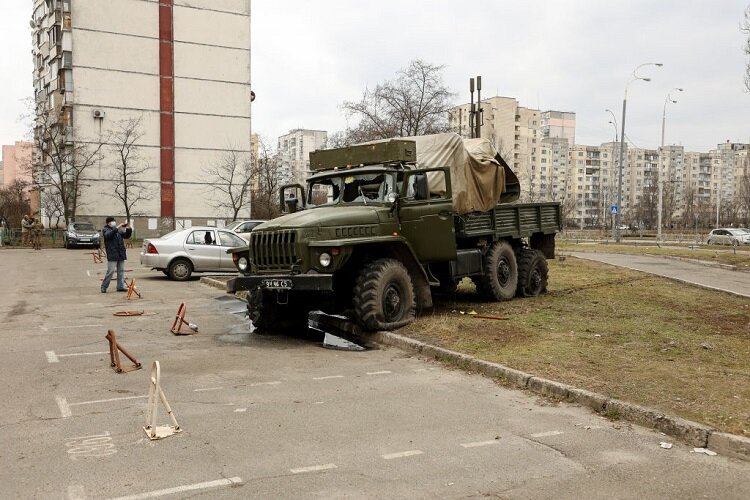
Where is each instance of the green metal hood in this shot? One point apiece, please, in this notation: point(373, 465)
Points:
point(325, 217)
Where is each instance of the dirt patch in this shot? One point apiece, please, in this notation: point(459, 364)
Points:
point(628, 335)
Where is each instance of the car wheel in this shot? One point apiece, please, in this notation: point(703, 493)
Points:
point(180, 270)
point(165, 271)
point(710, 242)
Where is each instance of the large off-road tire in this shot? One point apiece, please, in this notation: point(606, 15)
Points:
point(532, 273)
point(384, 296)
point(180, 270)
point(500, 273)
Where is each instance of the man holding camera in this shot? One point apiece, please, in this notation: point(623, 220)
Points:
point(114, 242)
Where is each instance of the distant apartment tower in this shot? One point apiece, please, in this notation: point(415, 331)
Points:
point(294, 152)
point(559, 125)
point(17, 162)
point(181, 68)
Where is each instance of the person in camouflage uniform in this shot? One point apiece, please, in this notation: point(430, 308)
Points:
point(36, 234)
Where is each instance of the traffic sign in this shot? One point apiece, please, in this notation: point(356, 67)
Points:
point(614, 209)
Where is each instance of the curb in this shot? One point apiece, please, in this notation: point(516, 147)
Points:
point(691, 433)
point(213, 282)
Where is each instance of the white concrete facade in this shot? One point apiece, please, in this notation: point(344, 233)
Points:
point(294, 150)
point(112, 53)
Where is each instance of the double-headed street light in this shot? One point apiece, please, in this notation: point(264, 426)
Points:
point(667, 100)
point(610, 191)
point(618, 214)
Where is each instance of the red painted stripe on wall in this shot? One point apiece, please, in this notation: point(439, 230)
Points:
point(166, 106)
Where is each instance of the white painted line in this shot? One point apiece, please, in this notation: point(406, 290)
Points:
point(106, 400)
point(477, 444)
point(182, 489)
point(384, 372)
point(419, 370)
point(410, 453)
point(82, 354)
point(88, 273)
point(329, 377)
point(62, 403)
point(313, 468)
point(257, 384)
point(45, 328)
point(76, 492)
point(51, 357)
point(546, 434)
point(240, 410)
point(208, 389)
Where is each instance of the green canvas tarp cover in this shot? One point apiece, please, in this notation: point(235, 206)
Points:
point(480, 179)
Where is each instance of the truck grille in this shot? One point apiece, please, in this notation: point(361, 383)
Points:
point(273, 249)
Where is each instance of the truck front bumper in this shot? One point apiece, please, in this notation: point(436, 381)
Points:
point(289, 282)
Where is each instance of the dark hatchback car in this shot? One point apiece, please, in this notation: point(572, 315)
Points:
point(81, 233)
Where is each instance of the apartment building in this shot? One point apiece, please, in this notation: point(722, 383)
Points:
point(559, 124)
point(177, 70)
point(16, 162)
point(293, 150)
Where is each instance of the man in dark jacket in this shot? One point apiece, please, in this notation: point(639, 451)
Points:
point(114, 242)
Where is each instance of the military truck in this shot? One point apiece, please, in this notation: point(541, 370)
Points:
point(381, 226)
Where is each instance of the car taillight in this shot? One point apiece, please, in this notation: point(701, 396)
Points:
point(151, 248)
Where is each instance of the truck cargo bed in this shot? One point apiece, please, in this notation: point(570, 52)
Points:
point(515, 220)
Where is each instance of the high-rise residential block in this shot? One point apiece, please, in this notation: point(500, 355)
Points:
point(176, 72)
point(294, 149)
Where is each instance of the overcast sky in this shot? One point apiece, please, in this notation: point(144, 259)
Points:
point(571, 55)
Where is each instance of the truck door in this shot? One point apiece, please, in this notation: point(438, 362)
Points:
point(426, 214)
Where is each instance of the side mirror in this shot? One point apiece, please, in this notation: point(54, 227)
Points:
point(291, 205)
point(393, 199)
point(289, 192)
point(421, 189)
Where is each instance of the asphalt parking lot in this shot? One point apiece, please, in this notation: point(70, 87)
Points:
point(281, 417)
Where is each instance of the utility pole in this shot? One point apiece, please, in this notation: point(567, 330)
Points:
point(476, 113)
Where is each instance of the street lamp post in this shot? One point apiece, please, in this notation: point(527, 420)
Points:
point(618, 215)
point(612, 122)
point(667, 100)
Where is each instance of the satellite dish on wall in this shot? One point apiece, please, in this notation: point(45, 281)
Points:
point(32, 24)
point(252, 96)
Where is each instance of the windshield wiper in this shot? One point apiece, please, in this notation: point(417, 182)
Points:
point(364, 198)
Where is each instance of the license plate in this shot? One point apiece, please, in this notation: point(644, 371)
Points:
point(86, 239)
point(277, 284)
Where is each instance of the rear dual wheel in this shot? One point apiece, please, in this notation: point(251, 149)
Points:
point(532, 273)
point(499, 278)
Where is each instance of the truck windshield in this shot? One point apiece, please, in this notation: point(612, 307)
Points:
point(358, 188)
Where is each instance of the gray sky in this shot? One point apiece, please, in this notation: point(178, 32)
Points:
point(572, 55)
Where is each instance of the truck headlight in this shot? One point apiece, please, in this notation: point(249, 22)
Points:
point(325, 259)
point(242, 264)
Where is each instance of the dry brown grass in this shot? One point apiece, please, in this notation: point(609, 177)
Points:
point(629, 335)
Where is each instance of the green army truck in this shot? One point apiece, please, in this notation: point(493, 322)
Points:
point(380, 227)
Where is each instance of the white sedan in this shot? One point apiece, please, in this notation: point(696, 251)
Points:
point(197, 249)
point(729, 236)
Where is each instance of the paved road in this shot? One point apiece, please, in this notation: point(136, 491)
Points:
point(737, 282)
point(280, 417)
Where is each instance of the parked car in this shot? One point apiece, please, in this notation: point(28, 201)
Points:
point(183, 252)
point(243, 227)
point(81, 233)
point(729, 236)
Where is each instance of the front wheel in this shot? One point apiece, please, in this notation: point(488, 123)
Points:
point(532, 273)
point(180, 270)
point(384, 296)
point(500, 273)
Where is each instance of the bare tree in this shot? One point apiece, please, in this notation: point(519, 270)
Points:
point(416, 102)
point(62, 161)
point(230, 179)
point(267, 176)
point(745, 27)
point(129, 167)
point(52, 207)
point(743, 196)
point(14, 203)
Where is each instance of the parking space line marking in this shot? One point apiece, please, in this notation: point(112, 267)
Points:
point(256, 384)
point(546, 434)
point(240, 410)
point(62, 403)
point(76, 492)
point(88, 273)
point(51, 357)
point(313, 468)
point(480, 443)
point(82, 354)
point(181, 489)
point(384, 372)
point(328, 377)
point(106, 400)
point(45, 328)
point(208, 389)
point(410, 453)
